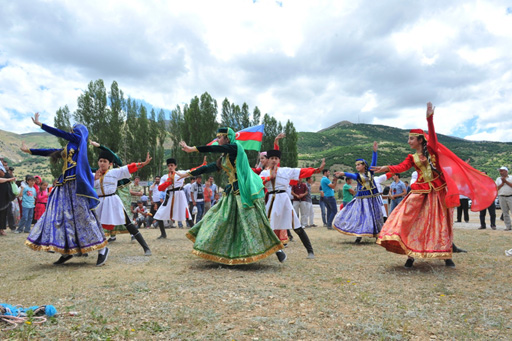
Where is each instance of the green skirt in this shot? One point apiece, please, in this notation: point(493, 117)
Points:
point(231, 234)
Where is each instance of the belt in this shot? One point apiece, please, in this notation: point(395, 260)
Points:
point(276, 192)
point(167, 194)
point(108, 195)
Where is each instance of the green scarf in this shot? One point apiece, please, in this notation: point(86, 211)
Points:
point(249, 183)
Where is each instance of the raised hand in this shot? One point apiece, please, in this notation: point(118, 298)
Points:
point(35, 119)
point(380, 169)
point(94, 143)
point(430, 109)
point(148, 159)
point(375, 146)
point(186, 148)
point(24, 147)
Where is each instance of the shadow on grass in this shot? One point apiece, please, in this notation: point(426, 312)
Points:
point(205, 265)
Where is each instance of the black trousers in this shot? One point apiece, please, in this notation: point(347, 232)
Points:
point(3, 219)
point(492, 214)
point(463, 207)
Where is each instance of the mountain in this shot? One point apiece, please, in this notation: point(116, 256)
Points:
point(340, 144)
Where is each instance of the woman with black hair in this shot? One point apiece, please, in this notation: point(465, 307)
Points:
point(422, 224)
point(362, 216)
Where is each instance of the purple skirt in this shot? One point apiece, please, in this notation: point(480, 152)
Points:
point(360, 217)
point(67, 226)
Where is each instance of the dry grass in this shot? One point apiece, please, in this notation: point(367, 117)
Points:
point(348, 292)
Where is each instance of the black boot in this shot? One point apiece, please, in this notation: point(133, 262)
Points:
point(163, 234)
point(63, 259)
point(305, 241)
point(449, 263)
point(358, 240)
point(138, 236)
point(281, 256)
point(409, 262)
point(142, 242)
point(455, 249)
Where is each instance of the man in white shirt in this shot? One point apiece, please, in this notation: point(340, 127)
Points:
point(504, 183)
point(154, 192)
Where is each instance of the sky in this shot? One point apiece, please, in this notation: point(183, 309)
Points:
point(315, 63)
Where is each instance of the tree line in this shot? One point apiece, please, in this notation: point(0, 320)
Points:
point(127, 127)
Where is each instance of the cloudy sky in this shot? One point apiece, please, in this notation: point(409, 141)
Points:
point(314, 62)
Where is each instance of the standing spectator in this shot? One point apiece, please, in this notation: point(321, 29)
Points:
point(504, 183)
point(299, 192)
point(492, 214)
point(321, 203)
point(311, 212)
point(136, 191)
point(213, 187)
point(6, 197)
point(463, 207)
point(348, 192)
point(397, 192)
point(406, 183)
point(208, 196)
point(186, 189)
point(330, 202)
point(154, 192)
point(28, 203)
point(197, 196)
point(216, 198)
point(11, 208)
point(41, 200)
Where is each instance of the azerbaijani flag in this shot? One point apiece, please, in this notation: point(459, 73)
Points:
point(250, 138)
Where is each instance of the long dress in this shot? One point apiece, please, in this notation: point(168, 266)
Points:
point(232, 232)
point(111, 210)
point(69, 225)
point(175, 205)
point(362, 216)
point(421, 226)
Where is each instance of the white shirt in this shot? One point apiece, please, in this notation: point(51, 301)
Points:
point(506, 189)
point(155, 193)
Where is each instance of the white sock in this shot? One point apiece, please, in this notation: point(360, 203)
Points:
point(102, 251)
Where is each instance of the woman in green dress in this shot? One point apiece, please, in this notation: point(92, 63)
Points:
point(236, 230)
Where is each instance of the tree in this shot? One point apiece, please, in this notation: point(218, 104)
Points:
point(289, 146)
point(256, 116)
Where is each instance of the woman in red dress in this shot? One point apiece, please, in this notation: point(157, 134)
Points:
point(422, 224)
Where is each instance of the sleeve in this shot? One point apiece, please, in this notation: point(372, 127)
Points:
point(60, 133)
point(402, 167)
point(289, 173)
point(44, 152)
point(164, 184)
point(381, 178)
point(257, 170)
point(227, 148)
point(123, 172)
point(352, 176)
point(276, 146)
point(209, 168)
point(117, 160)
point(306, 172)
point(374, 159)
point(432, 136)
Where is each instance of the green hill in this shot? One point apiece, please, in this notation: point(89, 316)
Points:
point(340, 144)
point(344, 142)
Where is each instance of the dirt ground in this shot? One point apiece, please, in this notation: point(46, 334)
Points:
point(347, 292)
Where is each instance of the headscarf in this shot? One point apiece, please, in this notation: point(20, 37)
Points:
point(463, 179)
point(84, 177)
point(249, 183)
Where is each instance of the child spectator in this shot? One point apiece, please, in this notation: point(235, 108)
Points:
point(28, 201)
point(42, 199)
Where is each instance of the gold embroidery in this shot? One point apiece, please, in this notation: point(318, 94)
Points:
point(426, 170)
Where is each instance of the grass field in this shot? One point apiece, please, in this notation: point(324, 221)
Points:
point(348, 292)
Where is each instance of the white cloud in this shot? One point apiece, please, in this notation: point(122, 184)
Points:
point(316, 63)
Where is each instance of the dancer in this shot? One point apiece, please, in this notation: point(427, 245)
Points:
point(122, 191)
point(362, 216)
point(111, 211)
point(236, 229)
point(262, 164)
point(69, 225)
point(422, 225)
point(279, 209)
point(175, 205)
